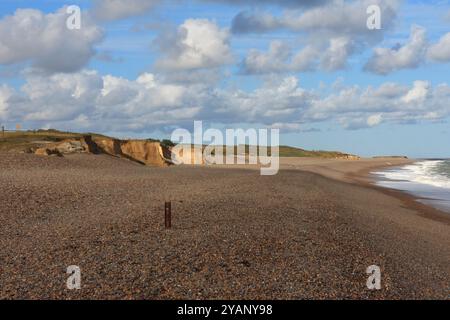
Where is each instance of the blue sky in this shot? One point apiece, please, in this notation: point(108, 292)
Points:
point(146, 67)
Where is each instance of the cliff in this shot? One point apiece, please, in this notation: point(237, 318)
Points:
point(142, 151)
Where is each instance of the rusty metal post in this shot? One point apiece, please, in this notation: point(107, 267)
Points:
point(168, 215)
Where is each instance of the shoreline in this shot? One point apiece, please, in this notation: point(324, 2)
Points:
point(362, 177)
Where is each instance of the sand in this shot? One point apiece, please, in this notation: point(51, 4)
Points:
point(235, 235)
point(343, 170)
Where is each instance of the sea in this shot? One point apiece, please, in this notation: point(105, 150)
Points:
point(428, 180)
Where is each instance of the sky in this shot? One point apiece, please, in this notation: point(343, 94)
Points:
point(312, 68)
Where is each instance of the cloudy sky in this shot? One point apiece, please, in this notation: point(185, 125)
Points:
point(312, 68)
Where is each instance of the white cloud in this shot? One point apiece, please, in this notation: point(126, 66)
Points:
point(198, 43)
point(279, 58)
point(93, 102)
point(389, 90)
point(98, 102)
point(109, 10)
point(411, 55)
point(418, 93)
point(334, 18)
point(335, 57)
point(304, 60)
point(44, 40)
point(278, 100)
point(342, 18)
point(287, 127)
point(440, 51)
point(258, 62)
point(357, 108)
point(330, 35)
point(374, 120)
point(60, 96)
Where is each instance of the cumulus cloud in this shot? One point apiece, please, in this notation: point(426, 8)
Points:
point(336, 30)
point(418, 93)
point(335, 57)
point(280, 57)
point(410, 55)
point(88, 101)
point(374, 120)
point(335, 18)
point(357, 108)
point(44, 40)
point(109, 10)
point(389, 90)
point(198, 43)
point(330, 34)
point(416, 51)
point(276, 101)
point(440, 51)
point(58, 97)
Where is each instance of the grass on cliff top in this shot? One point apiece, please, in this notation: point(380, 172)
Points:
point(22, 140)
point(285, 151)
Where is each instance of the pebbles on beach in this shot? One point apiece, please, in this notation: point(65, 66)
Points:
point(235, 234)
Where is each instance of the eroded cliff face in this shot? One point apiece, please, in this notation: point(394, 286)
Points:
point(68, 146)
point(142, 151)
point(145, 152)
point(109, 146)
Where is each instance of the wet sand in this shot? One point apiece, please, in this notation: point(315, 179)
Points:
point(359, 172)
point(343, 170)
point(309, 232)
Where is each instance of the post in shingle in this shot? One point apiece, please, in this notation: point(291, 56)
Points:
point(168, 215)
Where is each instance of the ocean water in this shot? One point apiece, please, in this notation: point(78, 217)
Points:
point(429, 180)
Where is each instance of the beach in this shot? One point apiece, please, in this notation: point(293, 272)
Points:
point(309, 232)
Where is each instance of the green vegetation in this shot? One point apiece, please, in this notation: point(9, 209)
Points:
point(286, 151)
point(24, 140)
point(167, 143)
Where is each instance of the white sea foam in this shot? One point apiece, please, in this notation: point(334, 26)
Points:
point(425, 172)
